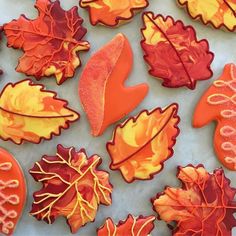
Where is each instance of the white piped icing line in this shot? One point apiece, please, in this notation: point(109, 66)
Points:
point(13, 199)
point(226, 131)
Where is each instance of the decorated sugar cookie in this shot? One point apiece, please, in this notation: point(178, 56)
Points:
point(203, 205)
point(112, 12)
point(73, 187)
point(30, 113)
point(219, 104)
point(140, 146)
point(12, 192)
point(173, 52)
point(218, 13)
point(51, 42)
point(132, 226)
point(102, 92)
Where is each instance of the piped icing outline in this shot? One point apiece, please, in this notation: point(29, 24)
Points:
point(135, 118)
point(83, 152)
point(118, 20)
point(227, 130)
point(54, 74)
point(55, 96)
point(193, 84)
point(121, 222)
point(6, 222)
point(200, 17)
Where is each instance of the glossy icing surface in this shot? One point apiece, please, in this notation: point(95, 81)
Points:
point(31, 113)
point(204, 204)
point(112, 12)
point(219, 104)
point(73, 187)
point(51, 42)
point(132, 226)
point(140, 146)
point(101, 86)
point(12, 192)
point(215, 12)
point(173, 52)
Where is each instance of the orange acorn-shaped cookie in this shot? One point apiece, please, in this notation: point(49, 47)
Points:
point(219, 104)
point(12, 192)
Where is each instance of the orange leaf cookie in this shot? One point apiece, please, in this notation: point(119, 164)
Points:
point(219, 13)
point(112, 12)
point(142, 144)
point(73, 187)
point(12, 192)
point(173, 52)
point(104, 97)
point(51, 42)
point(203, 206)
point(218, 103)
point(132, 226)
point(31, 113)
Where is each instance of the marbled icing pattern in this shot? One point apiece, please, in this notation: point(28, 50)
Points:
point(50, 42)
point(31, 113)
point(132, 226)
point(173, 53)
point(218, 13)
point(73, 187)
point(203, 206)
point(140, 146)
point(112, 12)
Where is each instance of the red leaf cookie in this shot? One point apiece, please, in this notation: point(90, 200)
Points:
point(12, 192)
point(101, 90)
point(141, 144)
point(218, 104)
point(173, 52)
point(51, 42)
point(218, 13)
point(132, 226)
point(31, 113)
point(112, 12)
point(203, 206)
point(73, 187)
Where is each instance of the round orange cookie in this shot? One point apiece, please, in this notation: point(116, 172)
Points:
point(12, 192)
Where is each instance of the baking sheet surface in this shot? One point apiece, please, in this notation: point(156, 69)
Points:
point(193, 145)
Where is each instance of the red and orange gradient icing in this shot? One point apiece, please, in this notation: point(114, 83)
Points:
point(73, 187)
point(173, 52)
point(12, 192)
point(104, 97)
point(51, 42)
point(132, 226)
point(142, 144)
point(112, 12)
point(219, 104)
point(204, 204)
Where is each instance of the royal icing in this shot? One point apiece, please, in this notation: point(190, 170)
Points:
point(12, 193)
point(219, 99)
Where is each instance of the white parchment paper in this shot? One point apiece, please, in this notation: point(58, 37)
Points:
point(193, 145)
